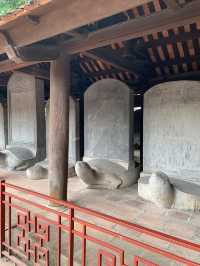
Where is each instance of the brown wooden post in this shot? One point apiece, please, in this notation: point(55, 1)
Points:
point(59, 127)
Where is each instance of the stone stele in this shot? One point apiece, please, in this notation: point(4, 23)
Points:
point(171, 128)
point(26, 117)
point(107, 121)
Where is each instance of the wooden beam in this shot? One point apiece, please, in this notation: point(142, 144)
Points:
point(39, 52)
point(164, 20)
point(9, 65)
point(65, 16)
point(8, 47)
point(39, 73)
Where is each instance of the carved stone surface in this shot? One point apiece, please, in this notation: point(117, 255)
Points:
point(104, 174)
point(180, 194)
point(26, 113)
point(26, 127)
point(161, 191)
point(19, 158)
point(171, 129)
point(106, 120)
point(38, 171)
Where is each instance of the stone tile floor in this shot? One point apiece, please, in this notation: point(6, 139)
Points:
point(126, 204)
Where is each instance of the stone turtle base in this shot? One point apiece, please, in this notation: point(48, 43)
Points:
point(40, 170)
point(186, 194)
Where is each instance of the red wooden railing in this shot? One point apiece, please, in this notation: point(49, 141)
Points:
point(32, 233)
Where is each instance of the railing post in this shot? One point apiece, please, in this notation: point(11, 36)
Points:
point(2, 216)
point(135, 261)
point(71, 237)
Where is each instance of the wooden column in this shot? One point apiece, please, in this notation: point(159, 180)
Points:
point(59, 127)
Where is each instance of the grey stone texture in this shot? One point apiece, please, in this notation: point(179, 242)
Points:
point(3, 126)
point(171, 129)
point(106, 121)
point(19, 158)
point(105, 174)
point(26, 113)
point(26, 122)
point(38, 171)
point(167, 192)
point(161, 191)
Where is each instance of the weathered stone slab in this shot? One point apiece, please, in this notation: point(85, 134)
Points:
point(106, 121)
point(171, 129)
point(26, 121)
point(26, 112)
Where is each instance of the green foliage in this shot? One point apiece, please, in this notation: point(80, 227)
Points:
point(7, 6)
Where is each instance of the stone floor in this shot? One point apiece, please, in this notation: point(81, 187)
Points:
point(126, 204)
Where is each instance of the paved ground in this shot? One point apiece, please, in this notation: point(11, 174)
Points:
point(126, 204)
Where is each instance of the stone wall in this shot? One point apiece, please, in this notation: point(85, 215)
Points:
point(106, 121)
point(172, 129)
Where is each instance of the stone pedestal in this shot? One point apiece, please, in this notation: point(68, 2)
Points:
point(185, 195)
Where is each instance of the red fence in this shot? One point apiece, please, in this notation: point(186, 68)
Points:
point(32, 233)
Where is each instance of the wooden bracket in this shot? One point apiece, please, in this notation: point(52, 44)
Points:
point(9, 49)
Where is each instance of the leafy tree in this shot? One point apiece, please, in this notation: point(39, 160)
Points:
point(7, 6)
